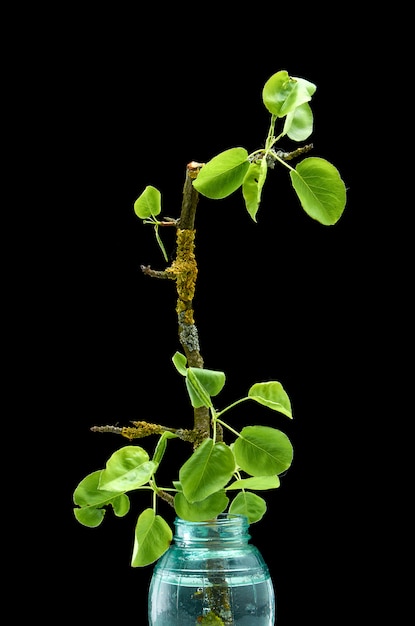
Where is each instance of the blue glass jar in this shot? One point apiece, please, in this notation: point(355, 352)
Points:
point(211, 575)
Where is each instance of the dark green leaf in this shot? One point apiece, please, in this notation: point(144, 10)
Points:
point(202, 383)
point(250, 505)
point(203, 510)
point(208, 470)
point(262, 451)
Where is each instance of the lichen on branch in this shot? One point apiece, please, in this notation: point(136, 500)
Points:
point(184, 268)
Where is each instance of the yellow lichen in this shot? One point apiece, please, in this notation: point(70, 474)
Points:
point(141, 429)
point(184, 269)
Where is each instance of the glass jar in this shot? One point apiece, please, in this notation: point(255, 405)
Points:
point(211, 575)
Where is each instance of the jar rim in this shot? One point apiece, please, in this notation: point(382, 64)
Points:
point(221, 519)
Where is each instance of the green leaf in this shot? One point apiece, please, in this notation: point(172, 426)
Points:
point(148, 203)
point(203, 510)
point(250, 505)
point(121, 505)
point(208, 470)
point(256, 482)
point(202, 384)
point(180, 362)
point(299, 123)
point(91, 499)
point(161, 446)
point(282, 93)
point(127, 469)
point(88, 493)
point(262, 451)
point(252, 186)
point(321, 191)
point(223, 174)
point(153, 537)
point(89, 516)
point(272, 395)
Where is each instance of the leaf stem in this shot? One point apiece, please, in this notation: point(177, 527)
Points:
point(231, 406)
point(232, 430)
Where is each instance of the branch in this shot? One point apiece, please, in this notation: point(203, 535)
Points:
point(142, 429)
point(184, 271)
point(146, 269)
point(287, 156)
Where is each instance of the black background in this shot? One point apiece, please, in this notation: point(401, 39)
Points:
point(284, 299)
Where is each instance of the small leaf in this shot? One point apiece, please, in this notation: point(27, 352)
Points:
point(256, 483)
point(202, 383)
point(152, 538)
point(121, 505)
point(272, 395)
point(299, 123)
point(205, 509)
point(89, 516)
point(262, 451)
point(282, 93)
point(223, 174)
point(249, 504)
point(148, 203)
point(127, 469)
point(208, 469)
point(180, 362)
point(252, 186)
point(162, 445)
point(321, 191)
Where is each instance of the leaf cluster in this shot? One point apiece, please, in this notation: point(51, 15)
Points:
point(226, 469)
point(253, 461)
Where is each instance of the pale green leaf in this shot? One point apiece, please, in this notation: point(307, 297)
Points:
point(282, 93)
point(321, 191)
point(299, 123)
point(252, 186)
point(87, 493)
point(250, 191)
point(272, 395)
point(249, 504)
point(223, 174)
point(128, 468)
point(148, 203)
point(89, 516)
point(262, 451)
point(91, 501)
point(208, 469)
point(259, 483)
point(180, 362)
point(152, 538)
point(120, 504)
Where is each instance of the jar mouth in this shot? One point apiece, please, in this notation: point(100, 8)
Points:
point(222, 519)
